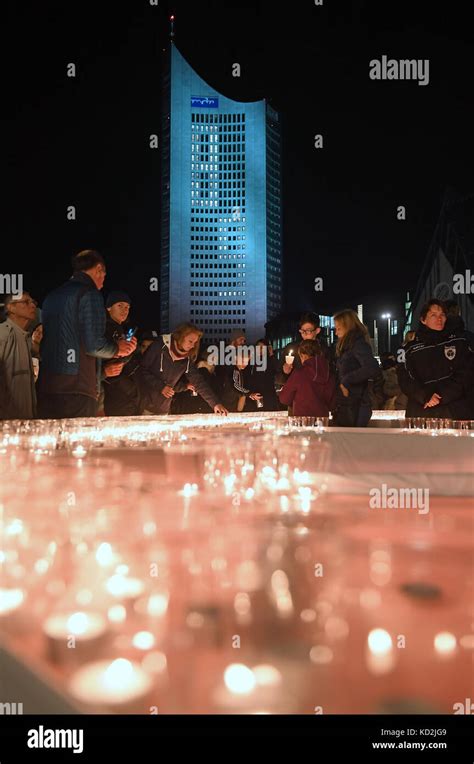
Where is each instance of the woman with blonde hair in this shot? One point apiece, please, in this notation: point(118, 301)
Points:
point(168, 367)
point(356, 365)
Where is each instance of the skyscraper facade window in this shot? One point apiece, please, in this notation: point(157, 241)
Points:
point(221, 236)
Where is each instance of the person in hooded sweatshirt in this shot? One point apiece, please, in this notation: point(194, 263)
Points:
point(437, 374)
point(310, 388)
point(168, 367)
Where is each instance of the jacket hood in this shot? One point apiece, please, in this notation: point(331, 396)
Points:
point(167, 340)
point(318, 367)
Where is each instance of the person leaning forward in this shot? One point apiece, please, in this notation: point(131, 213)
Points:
point(74, 342)
point(168, 367)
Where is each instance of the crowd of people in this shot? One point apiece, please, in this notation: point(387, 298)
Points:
point(85, 359)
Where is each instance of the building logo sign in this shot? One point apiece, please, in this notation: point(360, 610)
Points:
point(205, 103)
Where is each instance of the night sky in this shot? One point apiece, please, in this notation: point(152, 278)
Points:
point(84, 141)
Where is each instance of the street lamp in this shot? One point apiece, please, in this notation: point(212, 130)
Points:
point(388, 317)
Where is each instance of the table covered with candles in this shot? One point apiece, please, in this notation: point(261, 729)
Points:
point(206, 565)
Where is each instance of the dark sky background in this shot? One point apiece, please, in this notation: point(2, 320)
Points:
point(84, 141)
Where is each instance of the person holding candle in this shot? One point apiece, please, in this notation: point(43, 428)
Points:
point(224, 373)
point(356, 365)
point(309, 329)
point(121, 392)
point(262, 379)
point(310, 388)
point(168, 367)
point(237, 387)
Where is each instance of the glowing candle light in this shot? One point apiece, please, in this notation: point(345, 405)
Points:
point(72, 635)
point(445, 643)
point(118, 685)
point(124, 587)
point(10, 599)
point(239, 679)
point(380, 656)
point(248, 690)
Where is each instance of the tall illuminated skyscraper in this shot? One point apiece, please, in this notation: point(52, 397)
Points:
point(221, 235)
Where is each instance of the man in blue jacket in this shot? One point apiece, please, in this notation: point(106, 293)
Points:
point(74, 342)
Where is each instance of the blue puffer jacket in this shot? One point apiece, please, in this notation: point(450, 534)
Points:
point(73, 317)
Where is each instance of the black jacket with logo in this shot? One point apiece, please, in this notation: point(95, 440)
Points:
point(438, 362)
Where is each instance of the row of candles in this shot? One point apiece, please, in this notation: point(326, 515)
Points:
point(78, 436)
point(104, 616)
point(124, 576)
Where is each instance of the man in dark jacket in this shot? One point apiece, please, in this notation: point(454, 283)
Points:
point(168, 367)
point(74, 341)
point(438, 371)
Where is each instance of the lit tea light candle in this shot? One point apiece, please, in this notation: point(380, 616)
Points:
point(247, 690)
point(79, 452)
point(10, 600)
point(74, 634)
point(445, 644)
point(125, 587)
point(289, 358)
point(120, 685)
point(238, 688)
point(380, 653)
point(189, 489)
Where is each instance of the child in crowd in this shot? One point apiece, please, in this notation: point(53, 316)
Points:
point(310, 389)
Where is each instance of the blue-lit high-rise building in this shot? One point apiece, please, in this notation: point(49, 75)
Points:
point(221, 235)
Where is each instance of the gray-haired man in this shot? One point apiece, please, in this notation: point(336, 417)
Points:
point(17, 380)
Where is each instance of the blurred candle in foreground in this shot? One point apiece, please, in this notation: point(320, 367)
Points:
point(124, 587)
point(79, 452)
point(445, 644)
point(380, 654)
point(70, 635)
point(119, 685)
point(249, 690)
point(10, 599)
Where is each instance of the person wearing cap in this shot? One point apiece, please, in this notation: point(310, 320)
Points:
point(121, 394)
point(168, 367)
point(237, 338)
